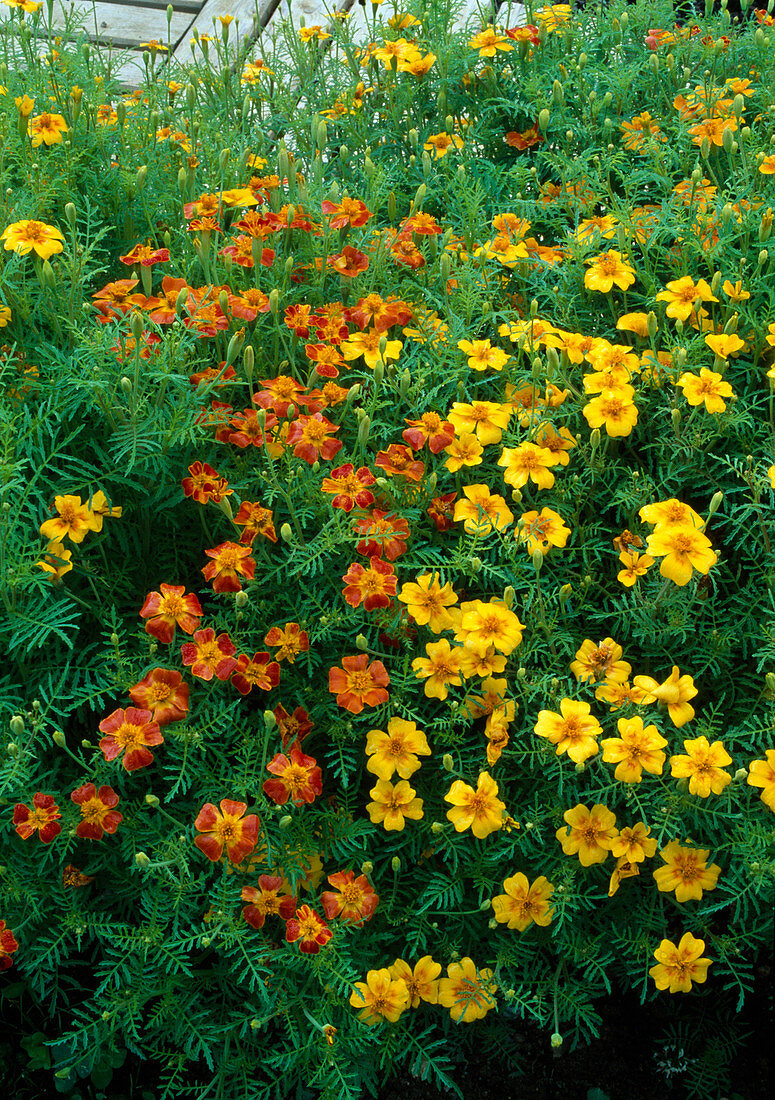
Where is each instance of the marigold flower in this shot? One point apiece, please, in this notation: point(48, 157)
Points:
point(574, 730)
point(48, 129)
point(683, 549)
point(671, 513)
point(384, 535)
point(25, 236)
point(489, 624)
point(482, 355)
point(293, 727)
point(380, 997)
point(523, 904)
point(392, 803)
point(638, 749)
point(542, 532)
point(430, 429)
point(464, 451)
point(486, 419)
point(600, 662)
point(633, 843)
point(442, 143)
point(72, 878)
point(618, 695)
point(308, 928)
point(43, 818)
point(291, 639)
point(682, 295)
point(488, 42)
point(479, 810)
point(226, 827)
point(588, 834)
point(441, 667)
point(97, 810)
point(73, 521)
point(677, 967)
point(421, 982)
point(311, 439)
point(350, 487)
point(441, 510)
point(614, 409)
point(427, 602)
point(266, 901)
point(257, 671)
point(56, 561)
point(674, 695)
point(468, 993)
point(359, 684)
point(527, 462)
point(707, 387)
point(353, 899)
point(168, 608)
point(203, 483)
point(607, 270)
point(702, 766)
point(256, 520)
point(373, 586)
point(231, 560)
point(209, 656)
point(8, 945)
point(396, 750)
point(686, 872)
point(761, 773)
point(482, 511)
point(298, 778)
point(163, 693)
point(635, 566)
point(132, 730)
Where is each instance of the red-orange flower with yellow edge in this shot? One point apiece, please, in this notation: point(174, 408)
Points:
point(266, 901)
point(163, 693)
point(231, 560)
point(399, 461)
point(170, 608)
point(257, 671)
point(353, 899)
point(311, 439)
point(359, 684)
point(209, 656)
point(430, 429)
point(373, 587)
point(291, 639)
point(98, 810)
point(384, 536)
point(130, 731)
point(43, 818)
point(226, 827)
point(308, 928)
point(298, 779)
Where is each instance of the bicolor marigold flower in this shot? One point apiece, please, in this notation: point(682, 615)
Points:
point(266, 901)
point(130, 731)
point(226, 827)
point(309, 929)
point(298, 779)
point(43, 818)
point(8, 945)
point(310, 437)
point(257, 671)
point(352, 899)
point(359, 684)
point(350, 487)
point(170, 608)
point(208, 656)
point(98, 811)
point(74, 520)
point(291, 639)
point(678, 966)
point(163, 693)
point(231, 560)
point(373, 587)
point(384, 535)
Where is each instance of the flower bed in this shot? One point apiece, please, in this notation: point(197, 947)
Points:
point(386, 543)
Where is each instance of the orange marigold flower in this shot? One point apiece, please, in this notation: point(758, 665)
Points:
point(256, 671)
point(293, 727)
point(168, 608)
point(373, 586)
point(298, 778)
point(163, 693)
point(72, 878)
point(266, 901)
point(441, 511)
point(399, 461)
point(349, 262)
point(8, 945)
point(74, 520)
point(291, 639)
point(348, 212)
point(231, 560)
point(97, 810)
point(384, 535)
point(359, 684)
point(311, 438)
point(256, 520)
point(350, 487)
point(132, 730)
point(429, 428)
point(145, 255)
point(226, 827)
point(209, 656)
point(43, 818)
point(309, 928)
point(205, 484)
point(354, 900)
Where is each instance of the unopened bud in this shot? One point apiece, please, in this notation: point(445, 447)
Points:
point(538, 560)
point(152, 800)
point(556, 1040)
point(362, 642)
point(395, 863)
point(367, 867)
point(141, 859)
point(508, 596)
point(286, 533)
point(437, 828)
point(447, 762)
point(544, 117)
point(59, 738)
point(715, 503)
point(17, 725)
point(285, 821)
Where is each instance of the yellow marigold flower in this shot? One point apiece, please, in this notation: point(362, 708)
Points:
point(56, 560)
point(635, 565)
point(601, 225)
point(702, 766)
point(380, 997)
point(682, 296)
point(527, 462)
point(486, 418)
point(638, 130)
point(74, 520)
point(5, 315)
point(607, 270)
point(761, 773)
point(442, 143)
point(634, 322)
point(465, 450)
point(489, 624)
point(488, 42)
point(686, 872)
point(482, 511)
point(397, 750)
point(635, 750)
point(671, 513)
point(421, 982)
point(674, 695)
point(481, 355)
point(24, 105)
point(682, 549)
point(558, 442)
point(441, 667)
point(479, 810)
point(613, 408)
point(392, 803)
point(481, 662)
point(724, 344)
point(542, 532)
point(735, 291)
point(600, 662)
point(100, 509)
point(496, 730)
point(427, 602)
point(707, 387)
point(617, 695)
point(47, 129)
point(27, 236)
point(588, 834)
point(767, 166)
point(712, 129)
point(624, 868)
point(633, 843)
point(468, 993)
point(523, 904)
point(677, 967)
point(574, 730)
point(555, 17)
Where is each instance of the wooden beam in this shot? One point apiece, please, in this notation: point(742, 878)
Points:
point(125, 25)
point(253, 15)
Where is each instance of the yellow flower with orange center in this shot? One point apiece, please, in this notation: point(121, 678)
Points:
point(542, 531)
point(673, 695)
point(683, 549)
point(427, 602)
point(589, 833)
point(613, 409)
point(635, 750)
point(421, 981)
point(707, 387)
point(528, 462)
point(761, 773)
point(397, 750)
point(442, 667)
point(600, 662)
point(677, 967)
point(703, 766)
point(607, 270)
point(686, 872)
point(392, 803)
point(574, 730)
point(482, 511)
point(468, 993)
point(380, 997)
point(524, 904)
point(479, 810)
point(28, 236)
point(682, 296)
point(487, 419)
point(484, 624)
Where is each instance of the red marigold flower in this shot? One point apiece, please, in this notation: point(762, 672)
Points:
point(348, 212)
point(359, 684)
point(291, 639)
point(441, 511)
point(349, 262)
point(279, 394)
point(398, 461)
point(385, 535)
point(226, 827)
point(248, 304)
point(209, 656)
point(145, 255)
point(298, 778)
point(98, 811)
point(372, 586)
point(256, 520)
point(307, 927)
point(266, 902)
point(167, 608)
point(311, 436)
point(132, 730)
point(205, 484)
point(250, 431)
point(163, 693)
point(162, 309)
point(354, 900)
point(8, 945)
point(231, 560)
point(429, 428)
point(525, 138)
point(116, 299)
point(43, 818)
point(293, 727)
point(350, 487)
point(72, 877)
point(328, 359)
point(297, 319)
point(218, 376)
point(255, 671)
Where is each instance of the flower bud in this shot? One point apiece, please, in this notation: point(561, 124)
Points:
point(508, 596)
point(367, 867)
point(362, 642)
point(447, 762)
point(538, 560)
point(126, 384)
point(269, 721)
point(395, 863)
point(476, 565)
point(437, 828)
point(556, 1040)
point(705, 143)
point(715, 503)
point(59, 738)
point(152, 800)
point(544, 117)
point(594, 439)
point(17, 725)
point(141, 859)
point(285, 821)
point(286, 533)
point(274, 301)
